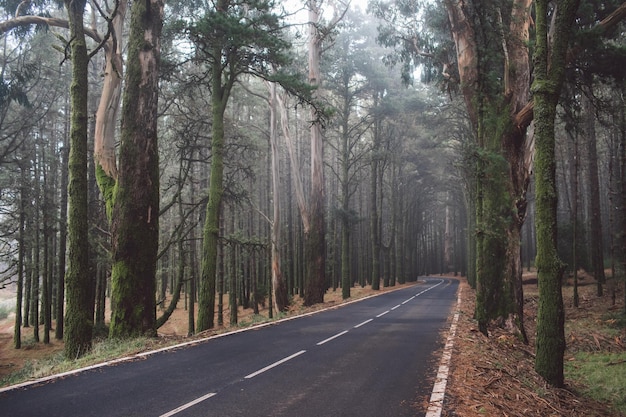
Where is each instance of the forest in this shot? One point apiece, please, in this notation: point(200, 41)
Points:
point(159, 154)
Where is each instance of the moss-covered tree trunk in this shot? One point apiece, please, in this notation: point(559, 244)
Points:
point(210, 236)
point(493, 295)
point(494, 70)
point(550, 52)
point(79, 308)
point(60, 290)
point(135, 215)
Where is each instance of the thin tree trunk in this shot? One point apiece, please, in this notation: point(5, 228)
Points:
point(622, 184)
point(574, 218)
point(374, 216)
point(595, 221)
point(232, 291)
point(36, 271)
point(58, 334)
point(17, 329)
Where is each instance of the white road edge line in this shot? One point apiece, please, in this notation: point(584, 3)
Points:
point(189, 404)
point(331, 338)
point(363, 324)
point(435, 406)
point(275, 364)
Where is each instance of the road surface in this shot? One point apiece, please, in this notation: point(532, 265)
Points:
point(369, 358)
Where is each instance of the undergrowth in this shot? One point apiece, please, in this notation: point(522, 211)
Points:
point(603, 376)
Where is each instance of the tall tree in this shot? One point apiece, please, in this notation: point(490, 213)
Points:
point(59, 330)
point(490, 64)
point(79, 310)
point(135, 214)
point(235, 38)
point(315, 237)
point(595, 224)
point(280, 297)
point(550, 61)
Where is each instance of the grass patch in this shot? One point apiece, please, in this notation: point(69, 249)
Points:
point(254, 319)
point(102, 351)
point(603, 376)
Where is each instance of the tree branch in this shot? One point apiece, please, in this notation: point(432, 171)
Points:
point(7, 25)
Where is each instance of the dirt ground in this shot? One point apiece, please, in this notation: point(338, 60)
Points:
point(488, 377)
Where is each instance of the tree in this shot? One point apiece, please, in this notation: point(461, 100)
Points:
point(135, 213)
point(279, 289)
point(595, 224)
point(547, 85)
point(79, 310)
point(346, 72)
point(234, 38)
point(490, 64)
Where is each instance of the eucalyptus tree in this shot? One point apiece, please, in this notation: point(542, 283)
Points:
point(135, 208)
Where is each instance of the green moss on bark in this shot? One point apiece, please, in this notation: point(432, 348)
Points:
point(135, 199)
point(79, 309)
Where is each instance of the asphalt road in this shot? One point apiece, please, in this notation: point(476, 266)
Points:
point(369, 358)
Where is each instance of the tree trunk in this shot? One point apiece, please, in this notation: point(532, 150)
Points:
point(79, 310)
point(17, 329)
point(206, 296)
point(233, 288)
point(108, 107)
point(46, 283)
point(58, 331)
point(621, 181)
point(502, 165)
point(135, 220)
point(374, 215)
point(36, 270)
point(315, 237)
point(346, 223)
point(550, 345)
point(280, 296)
point(574, 218)
point(595, 221)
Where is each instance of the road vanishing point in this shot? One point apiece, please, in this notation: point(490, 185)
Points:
point(374, 357)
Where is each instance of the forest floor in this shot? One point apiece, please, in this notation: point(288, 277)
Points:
point(495, 376)
point(488, 376)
